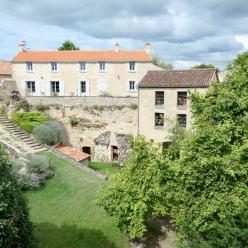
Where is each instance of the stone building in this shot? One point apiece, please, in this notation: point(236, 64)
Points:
point(163, 100)
point(81, 73)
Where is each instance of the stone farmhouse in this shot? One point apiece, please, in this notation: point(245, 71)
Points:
point(163, 100)
point(81, 73)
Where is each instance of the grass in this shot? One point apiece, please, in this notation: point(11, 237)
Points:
point(105, 168)
point(65, 213)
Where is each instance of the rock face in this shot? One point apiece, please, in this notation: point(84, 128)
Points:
point(100, 129)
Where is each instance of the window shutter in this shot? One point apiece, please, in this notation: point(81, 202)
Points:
point(37, 89)
point(23, 87)
point(127, 86)
point(48, 89)
point(61, 88)
point(79, 88)
point(87, 88)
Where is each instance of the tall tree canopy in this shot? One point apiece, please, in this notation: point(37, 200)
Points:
point(15, 227)
point(203, 66)
point(160, 62)
point(203, 177)
point(68, 45)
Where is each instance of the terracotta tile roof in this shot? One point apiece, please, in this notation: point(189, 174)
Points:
point(63, 56)
point(5, 68)
point(178, 78)
point(72, 153)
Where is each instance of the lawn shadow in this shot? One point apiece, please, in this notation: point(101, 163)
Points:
point(70, 236)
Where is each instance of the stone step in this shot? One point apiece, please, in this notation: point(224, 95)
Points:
point(35, 145)
point(22, 137)
point(28, 139)
point(31, 142)
point(21, 133)
point(10, 125)
point(40, 150)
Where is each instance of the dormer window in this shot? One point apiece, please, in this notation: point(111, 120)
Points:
point(29, 66)
point(54, 66)
point(82, 66)
point(102, 66)
point(132, 66)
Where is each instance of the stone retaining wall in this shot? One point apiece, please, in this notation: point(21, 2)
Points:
point(82, 100)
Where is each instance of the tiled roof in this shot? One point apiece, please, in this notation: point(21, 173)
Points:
point(178, 78)
point(66, 56)
point(5, 68)
point(72, 153)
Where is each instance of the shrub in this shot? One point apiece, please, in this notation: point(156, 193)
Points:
point(73, 120)
point(16, 228)
point(133, 106)
point(41, 107)
point(3, 110)
point(50, 133)
point(28, 120)
point(22, 104)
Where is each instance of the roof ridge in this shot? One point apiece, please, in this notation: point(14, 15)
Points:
point(175, 70)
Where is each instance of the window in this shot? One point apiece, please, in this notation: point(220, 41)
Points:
point(182, 98)
point(102, 66)
point(55, 86)
point(29, 67)
point(83, 86)
point(159, 98)
point(182, 120)
point(30, 86)
point(54, 66)
point(82, 66)
point(159, 120)
point(132, 85)
point(132, 66)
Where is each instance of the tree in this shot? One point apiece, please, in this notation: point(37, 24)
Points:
point(160, 62)
point(68, 45)
point(203, 66)
point(208, 200)
point(134, 195)
point(15, 227)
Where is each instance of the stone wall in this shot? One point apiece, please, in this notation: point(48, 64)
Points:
point(6, 86)
point(82, 100)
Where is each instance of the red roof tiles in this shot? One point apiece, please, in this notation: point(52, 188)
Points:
point(67, 56)
point(5, 68)
point(178, 78)
point(72, 153)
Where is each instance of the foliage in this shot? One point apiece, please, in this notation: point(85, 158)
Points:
point(49, 133)
point(3, 110)
point(41, 107)
point(68, 45)
point(208, 200)
point(203, 66)
point(73, 120)
point(134, 195)
point(22, 105)
point(160, 62)
point(69, 198)
point(15, 226)
point(133, 106)
point(28, 120)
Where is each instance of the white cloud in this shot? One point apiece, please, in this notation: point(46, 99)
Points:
point(243, 39)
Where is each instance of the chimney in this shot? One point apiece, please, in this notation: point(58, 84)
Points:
point(22, 46)
point(117, 47)
point(148, 48)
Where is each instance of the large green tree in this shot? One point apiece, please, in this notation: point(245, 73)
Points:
point(68, 45)
point(160, 62)
point(134, 195)
point(15, 227)
point(203, 66)
point(209, 195)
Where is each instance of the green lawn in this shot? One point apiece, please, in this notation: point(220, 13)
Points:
point(65, 213)
point(105, 168)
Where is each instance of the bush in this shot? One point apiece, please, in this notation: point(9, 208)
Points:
point(73, 120)
point(41, 107)
point(22, 104)
point(15, 226)
point(28, 120)
point(50, 133)
point(3, 110)
point(133, 106)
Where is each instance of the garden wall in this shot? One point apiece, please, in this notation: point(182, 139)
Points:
point(82, 100)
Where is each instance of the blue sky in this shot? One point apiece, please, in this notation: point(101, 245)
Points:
point(184, 32)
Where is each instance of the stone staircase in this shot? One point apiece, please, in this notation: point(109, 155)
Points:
point(24, 137)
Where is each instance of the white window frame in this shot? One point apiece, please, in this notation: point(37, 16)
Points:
point(31, 88)
point(135, 85)
point(80, 67)
point(52, 68)
point(129, 66)
point(100, 67)
point(51, 88)
point(27, 66)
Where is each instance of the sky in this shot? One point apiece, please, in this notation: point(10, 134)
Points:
point(183, 32)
